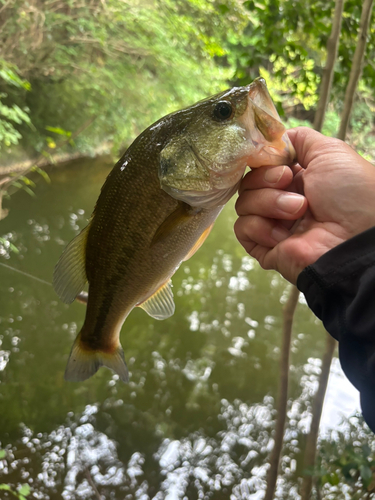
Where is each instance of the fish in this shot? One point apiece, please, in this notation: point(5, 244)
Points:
point(155, 210)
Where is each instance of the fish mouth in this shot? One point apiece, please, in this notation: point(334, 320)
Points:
point(265, 130)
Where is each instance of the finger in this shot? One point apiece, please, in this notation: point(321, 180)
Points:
point(264, 255)
point(260, 230)
point(309, 143)
point(271, 203)
point(277, 177)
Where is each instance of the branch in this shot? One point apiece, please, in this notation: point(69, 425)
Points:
point(5, 5)
point(288, 313)
point(92, 484)
point(312, 438)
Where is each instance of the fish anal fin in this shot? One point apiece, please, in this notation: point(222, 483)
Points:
point(161, 304)
point(69, 276)
point(175, 221)
point(83, 362)
point(202, 238)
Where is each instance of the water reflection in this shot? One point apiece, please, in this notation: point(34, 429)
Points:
point(196, 419)
point(342, 399)
point(197, 466)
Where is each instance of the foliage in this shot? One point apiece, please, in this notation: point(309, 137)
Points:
point(285, 40)
point(125, 63)
point(21, 493)
point(11, 114)
point(348, 458)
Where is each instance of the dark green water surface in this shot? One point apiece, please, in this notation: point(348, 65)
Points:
point(196, 419)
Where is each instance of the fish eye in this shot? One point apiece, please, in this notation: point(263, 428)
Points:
point(223, 110)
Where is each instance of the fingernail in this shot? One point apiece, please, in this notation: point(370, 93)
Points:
point(290, 202)
point(280, 233)
point(273, 175)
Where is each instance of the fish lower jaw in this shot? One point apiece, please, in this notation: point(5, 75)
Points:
point(225, 179)
point(208, 194)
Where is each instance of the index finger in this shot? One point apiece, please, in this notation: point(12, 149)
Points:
point(278, 177)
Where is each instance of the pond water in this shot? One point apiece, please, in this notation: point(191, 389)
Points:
point(197, 417)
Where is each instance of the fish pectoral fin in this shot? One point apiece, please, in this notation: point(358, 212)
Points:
point(69, 276)
point(202, 238)
point(161, 304)
point(84, 363)
point(175, 221)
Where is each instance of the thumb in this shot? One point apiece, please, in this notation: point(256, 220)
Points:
point(309, 143)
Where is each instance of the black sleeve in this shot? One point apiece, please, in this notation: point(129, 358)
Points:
point(340, 290)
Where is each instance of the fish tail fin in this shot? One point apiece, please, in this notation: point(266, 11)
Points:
point(84, 362)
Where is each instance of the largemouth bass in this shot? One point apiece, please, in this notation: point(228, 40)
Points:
point(155, 210)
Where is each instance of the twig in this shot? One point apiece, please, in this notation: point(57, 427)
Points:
point(5, 5)
point(92, 484)
point(317, 407)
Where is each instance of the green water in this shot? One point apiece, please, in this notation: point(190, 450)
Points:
point(196, 419)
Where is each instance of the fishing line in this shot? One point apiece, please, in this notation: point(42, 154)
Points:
point(25, 274)
point(81, 297)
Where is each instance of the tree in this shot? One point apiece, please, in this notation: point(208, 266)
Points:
point(316, 412)
point(326, 83)
point(288, 314)
point(356, 68)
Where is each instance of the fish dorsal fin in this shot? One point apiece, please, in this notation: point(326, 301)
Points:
point(175, 221)
point(69, 276)
point(202, 238)
point(161, 304)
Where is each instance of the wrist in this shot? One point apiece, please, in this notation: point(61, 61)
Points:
point(351, 256)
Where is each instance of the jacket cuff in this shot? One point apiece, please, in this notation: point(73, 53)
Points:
point(339, 264)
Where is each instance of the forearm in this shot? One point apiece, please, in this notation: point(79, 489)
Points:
point(340, 290)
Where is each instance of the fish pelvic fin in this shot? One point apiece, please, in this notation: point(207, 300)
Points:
point(84, 362)
point(161, 304)
point(69, 276)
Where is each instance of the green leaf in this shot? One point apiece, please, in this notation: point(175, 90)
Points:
point(334, 479)
point(60, 131)
point(24, 490)
point(3, 454)
point(224, 9)
point(27, 181)
point(28, 191)
point(42, 172)
point(13, 248)
point(347, 468)
point(366, 474)
point(5, 487)
point(366, 450)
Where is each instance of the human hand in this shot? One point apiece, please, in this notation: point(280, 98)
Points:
point(289, 217)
